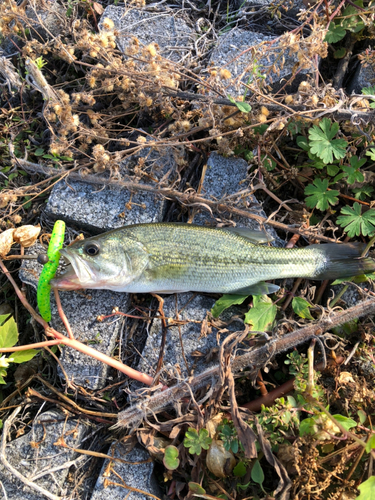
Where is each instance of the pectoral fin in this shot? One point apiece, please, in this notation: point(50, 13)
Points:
point(261, 288)
point(254, 236)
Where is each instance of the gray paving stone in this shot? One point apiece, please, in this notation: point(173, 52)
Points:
point(35, 453)
point(168, 29)
point(82, 310)
point(224, 177)
point(198, 348)
point(97, 210)
point(226, 54)
point(139, 475)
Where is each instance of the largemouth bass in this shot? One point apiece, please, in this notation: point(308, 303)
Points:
point(176, 257)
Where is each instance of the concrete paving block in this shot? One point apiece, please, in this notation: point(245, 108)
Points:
point(35, 453)
point(99, 210)
point(232, 52)
point(168, 29)
point(224, 177)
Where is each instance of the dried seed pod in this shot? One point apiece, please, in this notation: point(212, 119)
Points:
point(6, 241)
point(26, 235)
point(219, 461)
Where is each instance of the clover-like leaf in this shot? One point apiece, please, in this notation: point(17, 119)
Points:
point(263, 313)
point(335, 33)
point(196, 441)
point(322, 144)
point(319, 196)
point(362, 192)
point(353, 173)
point(355, 223)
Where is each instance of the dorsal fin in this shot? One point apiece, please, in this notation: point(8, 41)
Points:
point(253, 235)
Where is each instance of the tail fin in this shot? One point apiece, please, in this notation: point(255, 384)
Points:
point(344, 261)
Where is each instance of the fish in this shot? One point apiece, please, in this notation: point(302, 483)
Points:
point(179, 257)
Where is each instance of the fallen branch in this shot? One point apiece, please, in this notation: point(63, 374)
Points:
point(252, 361)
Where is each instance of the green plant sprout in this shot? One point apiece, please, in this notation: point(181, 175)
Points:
point(195, 440)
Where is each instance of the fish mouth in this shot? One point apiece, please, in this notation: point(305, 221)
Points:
point(78, 274)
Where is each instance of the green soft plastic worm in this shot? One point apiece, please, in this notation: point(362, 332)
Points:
point(49, 270)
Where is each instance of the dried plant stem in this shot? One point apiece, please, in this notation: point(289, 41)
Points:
point(252, 360)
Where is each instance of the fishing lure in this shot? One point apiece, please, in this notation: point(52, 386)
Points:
point(49, 270)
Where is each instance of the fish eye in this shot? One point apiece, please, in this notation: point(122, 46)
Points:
point(92, 249)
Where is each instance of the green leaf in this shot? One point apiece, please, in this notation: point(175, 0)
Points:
point(369, 91)
point(8, 333)
point(171, 460)
point(371, 153)
point(363, 192)
point(367, 489)
point(351, 20)
point(307, 426)
point(239, 470)
point(301, 307)
point(39, 152)
point(257, 474)
point(370, 445)
point(302, 142)
point(226, 301)
point(262, 314)
point(244, 107)
point(346, 422)
point(335, 33)
point(355, 223)
point(22, 356)
point(362, 417)
point(196, 488)
point(319, 196)
point(339, 53)
point(196, 441)
point(322, 143)
point(332, 170)
point(352, 173)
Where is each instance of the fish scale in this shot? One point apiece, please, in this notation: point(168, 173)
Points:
point(176, 257)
